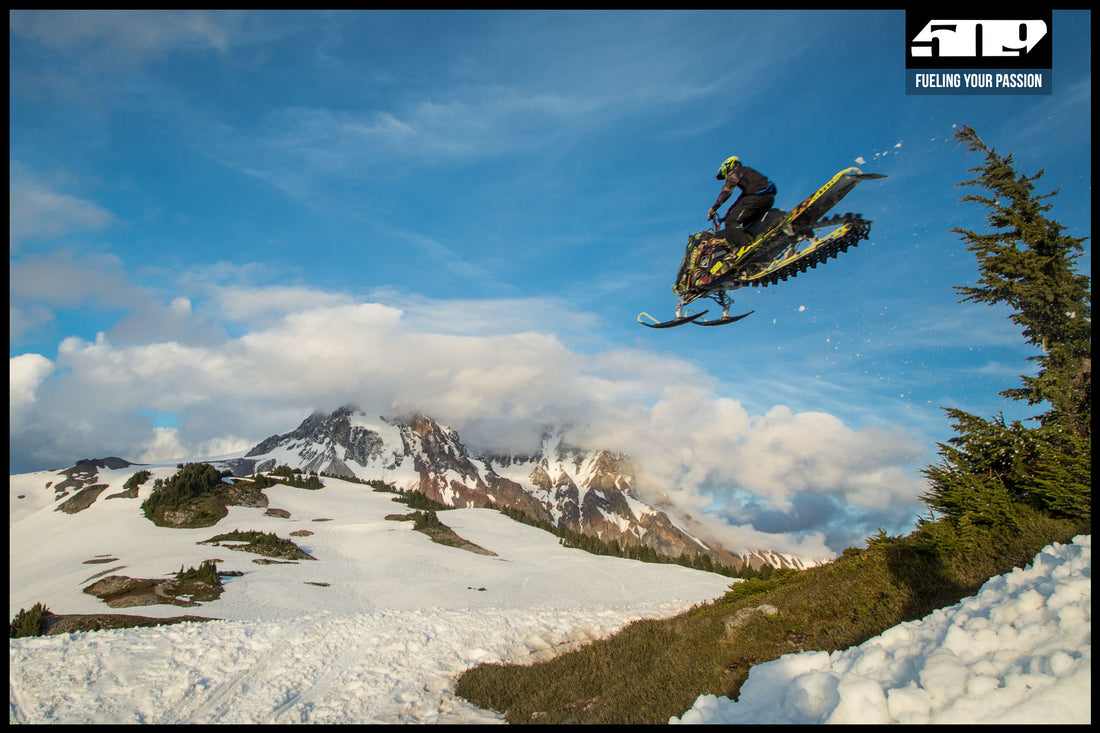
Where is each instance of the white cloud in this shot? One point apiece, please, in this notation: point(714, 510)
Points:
point(313, 351)
point(25, 374)
point(262, 304)
point(786, 453)
point(124, 37)
point(67, 279)
point(166, 444)
point(36, 210)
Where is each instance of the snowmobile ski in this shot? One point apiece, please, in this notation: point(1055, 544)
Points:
point(678, 321)
point(723, 320)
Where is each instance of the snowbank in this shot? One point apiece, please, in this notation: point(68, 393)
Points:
point(1020, 651)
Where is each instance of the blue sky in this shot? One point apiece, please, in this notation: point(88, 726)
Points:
point(222, 221)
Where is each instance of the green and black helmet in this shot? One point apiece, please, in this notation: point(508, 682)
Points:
point(727, 165)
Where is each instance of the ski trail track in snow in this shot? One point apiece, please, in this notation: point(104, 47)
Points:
point(395, 666)
point(369, 667)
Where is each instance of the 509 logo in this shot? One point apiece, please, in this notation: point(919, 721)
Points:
point(946, 42)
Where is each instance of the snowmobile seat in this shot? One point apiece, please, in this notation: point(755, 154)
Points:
point(770, 219)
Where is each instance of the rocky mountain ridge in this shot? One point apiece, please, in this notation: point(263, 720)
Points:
point(587, 491)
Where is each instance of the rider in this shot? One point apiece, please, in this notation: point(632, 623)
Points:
point(756, 197)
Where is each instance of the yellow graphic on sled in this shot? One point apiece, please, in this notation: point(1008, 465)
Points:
point(794, 214)
point(821, 191)
point(838, 234)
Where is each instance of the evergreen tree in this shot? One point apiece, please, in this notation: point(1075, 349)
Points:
point(207, 573)
point(136, 480)
point(191, 481)
point(1026, 263)
point(29, 623)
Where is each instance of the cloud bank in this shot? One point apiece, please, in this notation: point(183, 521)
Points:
point(298, 350)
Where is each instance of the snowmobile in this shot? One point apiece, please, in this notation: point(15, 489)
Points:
point(783, 245)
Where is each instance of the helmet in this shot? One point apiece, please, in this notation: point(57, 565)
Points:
point(727, 165)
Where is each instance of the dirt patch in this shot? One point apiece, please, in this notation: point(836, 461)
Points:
point(447, 536)
point(71, 623)
point(108, 571)
point(443, 535)
point(81, 500)
point(260, 543)
point(119, 591)
point(131, 493)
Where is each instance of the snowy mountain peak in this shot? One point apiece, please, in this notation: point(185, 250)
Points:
point(586, 491)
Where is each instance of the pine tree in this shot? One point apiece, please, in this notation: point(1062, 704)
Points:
point(1027, 263)
point(29, 623)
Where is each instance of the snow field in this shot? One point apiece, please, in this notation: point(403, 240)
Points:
point(383, 642)
point(380, 667)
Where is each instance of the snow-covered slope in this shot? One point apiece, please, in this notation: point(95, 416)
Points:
point(366, 561)
point(379, 626)
point(1020, 651)
point(374, 630)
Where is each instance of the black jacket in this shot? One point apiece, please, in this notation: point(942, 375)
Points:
point(749, 180)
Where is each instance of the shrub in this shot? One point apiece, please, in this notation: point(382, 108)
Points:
point(420, 500)
point(206, 573)
point(263, 543)
point(190, 482)
point(29, 623)
point(136, 480)
point(284, 471)
point(311, 482)
point(425, 520)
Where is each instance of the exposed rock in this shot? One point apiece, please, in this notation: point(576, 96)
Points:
point(444, 535)
point(743, 617)
point(81, 500)
point(592, 492)
point(327, 442)
point(85, 472)
point(209, 508)
point(119, 591)
point(130, 493)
